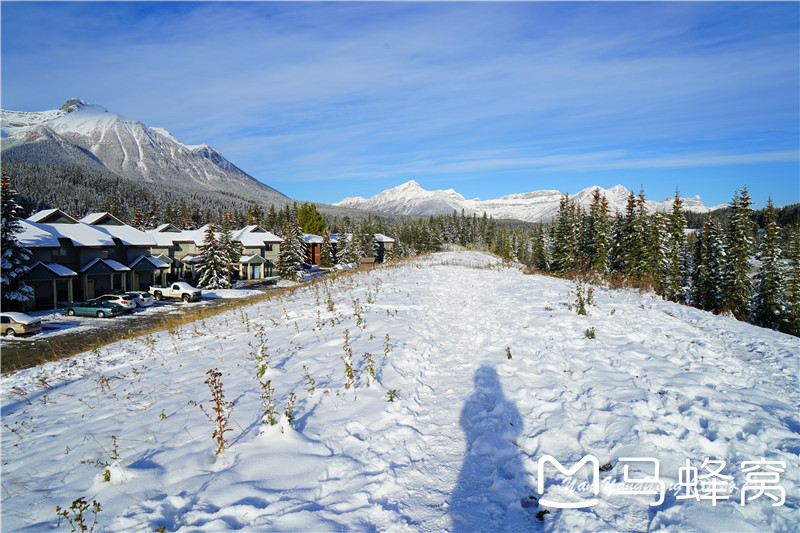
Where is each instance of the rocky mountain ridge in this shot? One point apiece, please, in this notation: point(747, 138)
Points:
point(536, 206)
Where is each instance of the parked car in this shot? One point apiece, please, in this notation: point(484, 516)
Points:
point(18, 324)
point(141, 298)
point(126, 301)
point(98, 308)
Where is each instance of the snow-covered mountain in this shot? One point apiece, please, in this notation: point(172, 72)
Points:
point(411, 199)
point(92, 137)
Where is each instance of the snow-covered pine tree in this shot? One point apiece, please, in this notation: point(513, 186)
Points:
point(599, 233)
point(792, 274)
point(300, 251)
point(654, 260)
point(138, 220)
point(255, 215)
point(153, 216)
point(631, 240)
point(709, 254)
point(565, 237)
point(211, 265)
point(325, 256)
point(674, 281)
point(287, 259)
point(349, 250)
point(229, 248)
point(769, 306)
point(14, 256)
point(739, 242)
point(365, 240)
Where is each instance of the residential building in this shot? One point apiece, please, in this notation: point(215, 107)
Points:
point(74, 260)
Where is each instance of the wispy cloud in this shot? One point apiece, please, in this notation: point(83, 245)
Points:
point(296, 92)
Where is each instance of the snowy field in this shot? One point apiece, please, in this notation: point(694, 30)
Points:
point(689, 395)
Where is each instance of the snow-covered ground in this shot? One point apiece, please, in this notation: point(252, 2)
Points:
point(460, 446)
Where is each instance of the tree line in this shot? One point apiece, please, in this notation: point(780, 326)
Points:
point(734, 260)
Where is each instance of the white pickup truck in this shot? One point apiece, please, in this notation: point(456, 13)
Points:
point(179, 289)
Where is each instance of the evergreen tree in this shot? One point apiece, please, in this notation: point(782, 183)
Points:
point(271, 220)
point(769, 310)
point(310, 219)
point(565, 237)
point(631, 240)
point(599, 233)
point(14, 256)
point(293, 249)
point(673, 285)
point(211, 264)
point(152, 218)
point(255, 215)
point(325, 256)
point(138, 220)
point(654, 260)
point(739, 241)
point(709, 254)
point(229, 249)
point(349, 249)
point(792, 274)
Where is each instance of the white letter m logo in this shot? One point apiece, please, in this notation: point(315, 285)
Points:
point(568, 472)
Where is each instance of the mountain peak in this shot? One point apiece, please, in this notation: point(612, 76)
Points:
point(73, 104)
point(410, 184)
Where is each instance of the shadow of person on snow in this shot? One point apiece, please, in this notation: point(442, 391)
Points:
point(492, 485)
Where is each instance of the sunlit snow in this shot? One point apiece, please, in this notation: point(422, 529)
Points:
point(459, 447)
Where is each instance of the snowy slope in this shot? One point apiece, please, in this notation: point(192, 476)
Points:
point(411, 199)
point(87, 135)
point(457, 450)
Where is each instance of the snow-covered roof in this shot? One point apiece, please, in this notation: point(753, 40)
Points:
point(165, 227)
point(55, 268)
point(255, 236)
point(43, 216)
point(155, 261)
point(379, 237)
point(103, 217)
point(168, 238)
point(125, 233)
point(252, 259)
point(310, 238)
point(197, 236)
point(35, 234)
point(110, 263)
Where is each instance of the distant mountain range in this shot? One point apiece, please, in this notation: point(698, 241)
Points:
point(538, 206)
point(91, 137)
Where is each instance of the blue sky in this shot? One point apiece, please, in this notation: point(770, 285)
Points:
point(327, 100)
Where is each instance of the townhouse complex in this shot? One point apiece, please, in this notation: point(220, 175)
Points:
point(78, 259)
